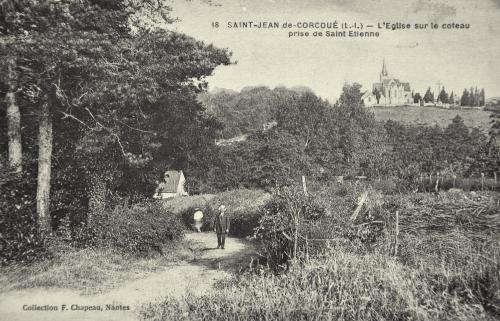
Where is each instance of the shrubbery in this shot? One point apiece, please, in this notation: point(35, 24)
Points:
point(138, 228)
point(19, 236)
point(285, 223)
point(244, 207)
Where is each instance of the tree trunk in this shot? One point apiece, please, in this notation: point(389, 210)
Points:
point(13, 121)
point(44, 164)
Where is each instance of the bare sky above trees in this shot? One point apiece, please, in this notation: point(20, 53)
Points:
point(456, 58)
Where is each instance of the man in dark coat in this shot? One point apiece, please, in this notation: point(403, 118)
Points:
point(221, 226)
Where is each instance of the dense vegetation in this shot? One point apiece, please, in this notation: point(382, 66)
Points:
point(97, 103)
point(320, 140)
point(97, 100)
point(442, 265)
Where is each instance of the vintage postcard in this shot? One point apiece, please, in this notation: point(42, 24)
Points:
point(249, 160)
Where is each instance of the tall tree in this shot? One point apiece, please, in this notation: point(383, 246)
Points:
point(44, 167)
point(417, 98)
point(429, 96)
point(482, 99)
point(472, 97)
point(451, 100)
point(377, 94)
point(52, 42)
point(443, 96)
point(13, 118)
point(464, 100)
point(11, 83)
point(360, 137)
point(82, 64)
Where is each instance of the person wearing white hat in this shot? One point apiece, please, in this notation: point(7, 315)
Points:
point(221, 226)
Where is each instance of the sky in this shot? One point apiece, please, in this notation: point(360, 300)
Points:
point(455, 58)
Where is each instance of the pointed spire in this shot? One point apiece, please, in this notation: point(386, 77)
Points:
point(384, 68)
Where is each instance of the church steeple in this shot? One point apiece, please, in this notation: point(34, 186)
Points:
point(383, 73)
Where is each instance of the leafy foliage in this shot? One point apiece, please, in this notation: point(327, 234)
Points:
point(20, 239)
point(244, 207)
point(138, 228)
point(285, 220)
point(120, 90)
point(420, 149)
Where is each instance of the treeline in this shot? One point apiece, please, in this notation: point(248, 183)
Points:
point(455, 150)
point(473, 97)
point(320, 140)
point(470, 98)
point(312, 137)
point(246, 111)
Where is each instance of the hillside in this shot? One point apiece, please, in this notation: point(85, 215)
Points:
point(249, 110)
point(432, 116)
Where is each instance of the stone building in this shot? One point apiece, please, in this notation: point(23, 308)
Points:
point(389, 91)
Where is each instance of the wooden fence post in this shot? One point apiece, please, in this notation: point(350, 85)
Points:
point(396, 234)
point(304, 186)
point(482, 181)
point(307, 248)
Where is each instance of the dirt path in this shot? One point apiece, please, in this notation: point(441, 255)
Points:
point(197, 276)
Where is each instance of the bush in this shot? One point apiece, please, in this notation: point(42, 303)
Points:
point(285, 224)
point(244, 207)
point(208, 216)
point(138, 228)
point(20, 239)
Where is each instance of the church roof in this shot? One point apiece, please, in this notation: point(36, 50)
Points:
point(367, 94)
point(386, 80)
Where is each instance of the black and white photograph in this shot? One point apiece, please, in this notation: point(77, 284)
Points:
point(248, 160)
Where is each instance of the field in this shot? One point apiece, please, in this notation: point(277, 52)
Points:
point(432, 116)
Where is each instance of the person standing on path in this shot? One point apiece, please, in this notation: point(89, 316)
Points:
point(221, 226)
point(198, 219)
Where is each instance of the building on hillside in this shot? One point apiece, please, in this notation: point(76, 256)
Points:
point(388, 92)
point(172, 185)
point(267, 126)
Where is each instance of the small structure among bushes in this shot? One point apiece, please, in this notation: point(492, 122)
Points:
point(172, 186)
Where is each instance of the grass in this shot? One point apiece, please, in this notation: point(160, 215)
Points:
point(440, 273)
point(89, 270)
point(432, 116)
point(341, 286)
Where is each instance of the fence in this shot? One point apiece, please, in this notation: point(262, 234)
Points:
point(437, 182)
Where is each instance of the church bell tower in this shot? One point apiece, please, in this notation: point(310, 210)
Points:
point(383, 74)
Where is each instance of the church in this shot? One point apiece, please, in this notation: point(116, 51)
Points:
point(388, 92)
